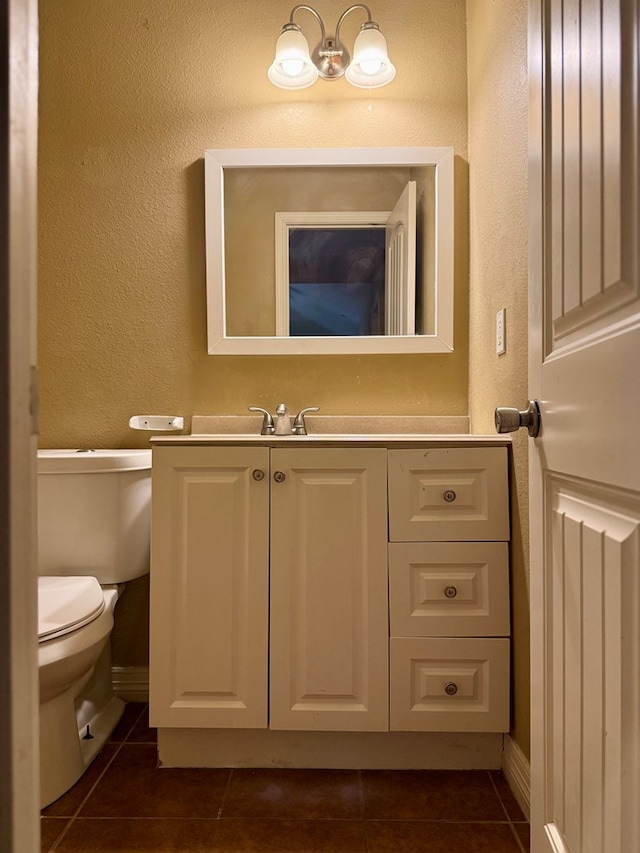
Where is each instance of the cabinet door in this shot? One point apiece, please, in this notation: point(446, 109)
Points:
point(329, 625)
point(209, 587)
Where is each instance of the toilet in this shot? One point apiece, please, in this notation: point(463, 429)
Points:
point(93, 536)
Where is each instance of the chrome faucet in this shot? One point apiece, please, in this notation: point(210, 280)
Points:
point(299, 425)
point(282, 424)
point(283, 421)
point(268, 427)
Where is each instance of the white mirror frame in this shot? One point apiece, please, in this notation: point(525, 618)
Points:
point(216, 161)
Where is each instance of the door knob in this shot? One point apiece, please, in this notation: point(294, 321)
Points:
point(509, 420)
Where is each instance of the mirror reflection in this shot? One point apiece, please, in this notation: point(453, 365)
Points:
point(333, 219)
point(312, 256)
point(336, 281)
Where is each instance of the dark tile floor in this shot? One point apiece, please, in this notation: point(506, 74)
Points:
point(123, 804)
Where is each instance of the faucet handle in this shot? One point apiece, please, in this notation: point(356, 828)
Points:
point(268, 427)
point(299, 426)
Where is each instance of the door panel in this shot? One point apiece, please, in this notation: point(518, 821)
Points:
point(209, 587)
point(592, 601)
point(329, 624)
point(400, 251)
point(585, 466)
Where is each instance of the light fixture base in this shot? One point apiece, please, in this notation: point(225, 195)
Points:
point(331, 58)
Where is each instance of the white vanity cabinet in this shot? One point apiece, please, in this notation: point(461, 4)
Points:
point(250, 537)
point(449, 589)
point(329, 602)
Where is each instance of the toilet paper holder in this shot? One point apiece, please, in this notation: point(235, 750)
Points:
point(157, 423)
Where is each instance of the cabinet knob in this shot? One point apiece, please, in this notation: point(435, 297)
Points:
point(258, 474)
point(450, 591)
point(449, 495)
point(279, 476)
point(451, 688)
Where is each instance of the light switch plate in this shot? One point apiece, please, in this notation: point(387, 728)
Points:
point(501, 338)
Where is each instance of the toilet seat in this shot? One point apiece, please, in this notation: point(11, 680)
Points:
point(66, 604)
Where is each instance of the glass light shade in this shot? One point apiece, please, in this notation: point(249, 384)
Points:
point(370, 66)
point(292, 68)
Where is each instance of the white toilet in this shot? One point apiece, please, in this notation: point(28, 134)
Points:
point(93, 535)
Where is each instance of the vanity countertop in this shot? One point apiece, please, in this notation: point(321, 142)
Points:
point(368, 439)
point(350, 430)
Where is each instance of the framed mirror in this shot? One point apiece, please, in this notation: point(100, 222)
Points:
point(329, 250)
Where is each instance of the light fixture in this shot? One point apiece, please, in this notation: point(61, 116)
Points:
point(295, 68)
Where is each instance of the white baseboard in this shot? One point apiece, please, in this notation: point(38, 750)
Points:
point(131, 683)
point(517, 771)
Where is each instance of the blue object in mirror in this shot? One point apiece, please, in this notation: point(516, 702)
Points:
point(336, 281)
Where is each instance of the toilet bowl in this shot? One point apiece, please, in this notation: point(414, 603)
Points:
point(93, 536)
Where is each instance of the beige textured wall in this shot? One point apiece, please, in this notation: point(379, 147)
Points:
point(132, 92)
point(497, 39)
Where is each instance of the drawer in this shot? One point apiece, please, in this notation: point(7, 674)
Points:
point(449, 589)
point(449, 685)
point(443, 494)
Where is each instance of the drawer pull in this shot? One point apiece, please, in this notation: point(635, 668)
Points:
point(258, 474)
point(279, 476)
point(449, 495)
point(450, 591)
point(451, 688)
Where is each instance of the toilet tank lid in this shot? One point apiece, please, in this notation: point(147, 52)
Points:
point(70, 461)
point(65, 604)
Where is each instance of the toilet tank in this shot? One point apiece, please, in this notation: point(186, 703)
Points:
point(94, 512)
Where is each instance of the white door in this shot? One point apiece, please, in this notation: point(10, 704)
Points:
point(400, 253)
point(585, 466)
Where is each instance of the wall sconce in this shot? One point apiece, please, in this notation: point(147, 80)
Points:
point(294, 68)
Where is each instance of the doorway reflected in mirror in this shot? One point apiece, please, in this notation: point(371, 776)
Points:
point(336, 281)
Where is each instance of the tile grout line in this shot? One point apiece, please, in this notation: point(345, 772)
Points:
point(72, 818)
point(517, 838)
point(361, 790)
point(439, 820)
point(421, 821)
point(505, 810)
point(365, 834)
point(224, 795)
point(500, 800)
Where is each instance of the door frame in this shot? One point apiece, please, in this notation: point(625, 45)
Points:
point(536, 541)
point(19, 753)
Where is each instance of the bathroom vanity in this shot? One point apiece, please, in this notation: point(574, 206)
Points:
point(330, 600)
